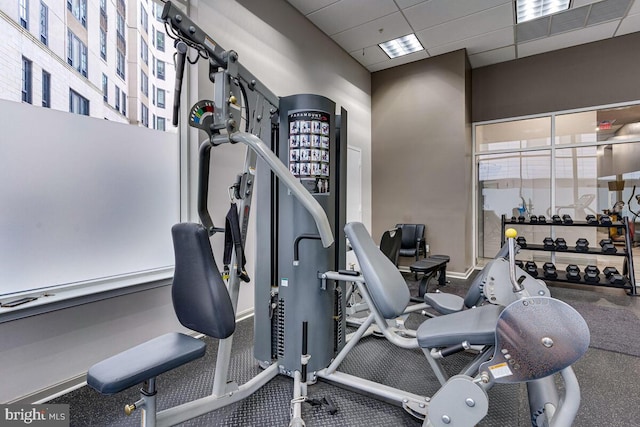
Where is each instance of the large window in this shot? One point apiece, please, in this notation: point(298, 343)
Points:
point(120, 64)
point(79, 9)
point(144, 19)
point(144, 51)
point(24, 13)
point(160, 69)
point(160, 41)
point(27, 80)
point(144, 83)
point(44, 23)
point(161, 97)
point(105, 88)
point(144, 115)
point(103, 44)
point(578, 163)
point(78, 104)
point(76, 53)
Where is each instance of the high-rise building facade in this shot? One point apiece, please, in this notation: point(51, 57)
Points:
point(106, 59)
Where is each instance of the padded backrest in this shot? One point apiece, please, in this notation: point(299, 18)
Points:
point(390, 244)
point(200, 297)
point(474, 294)
point(387, 287)
point(410, 234)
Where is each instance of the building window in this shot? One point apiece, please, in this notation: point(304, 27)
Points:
point(117, 98)
point(24, 13)
point(160, 69)
point(160, 124)
point(144, 114)
point(160, 41)
point(157, 11)
point(120, 25)
point(144, 51)
point(78, 104)
point(124, 104)
point(161, 96)
point(144, 83)
point(120, 64)
point(144, 19)
point(44, 23)
point(26, 80)
point(79, 9)
point(46, 89)
point(77, 53)
point(103, 44)
point(153, 94)
point(105, 88)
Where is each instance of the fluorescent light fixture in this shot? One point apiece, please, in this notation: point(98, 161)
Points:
point(401, 46)
point(526, 10)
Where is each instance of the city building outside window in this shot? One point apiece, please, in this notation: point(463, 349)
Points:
point(26, 80)
point(44, 23)
point(46, 89)
point(24, 13)
point(78, 104)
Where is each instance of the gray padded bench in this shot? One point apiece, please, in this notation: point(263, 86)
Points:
point(143, 362)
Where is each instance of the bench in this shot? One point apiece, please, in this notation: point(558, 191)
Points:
point(429, 267)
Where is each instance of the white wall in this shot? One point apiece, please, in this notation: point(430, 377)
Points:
point(288, 54)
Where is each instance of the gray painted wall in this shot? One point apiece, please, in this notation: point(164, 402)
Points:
point(282, 49)
point(421, 153)
point(598, 73)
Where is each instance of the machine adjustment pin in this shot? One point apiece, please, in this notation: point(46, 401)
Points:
point(470, 402)
point(547, 342)
point(446, 419)
point(128, 409)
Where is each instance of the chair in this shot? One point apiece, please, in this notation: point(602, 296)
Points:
point(413, 242)
point(390, 244)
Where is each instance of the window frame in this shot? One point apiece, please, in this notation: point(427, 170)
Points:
point(27, 80)
point(46, 89)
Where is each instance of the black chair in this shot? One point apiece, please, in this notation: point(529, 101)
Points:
point(413, 242)
point(390, 244)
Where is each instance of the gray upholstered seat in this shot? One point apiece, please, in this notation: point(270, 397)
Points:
point(476, 325)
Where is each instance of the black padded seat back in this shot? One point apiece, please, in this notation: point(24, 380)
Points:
point(387, 287)
point(390, 244)
point(200, 297)
point(411, 234)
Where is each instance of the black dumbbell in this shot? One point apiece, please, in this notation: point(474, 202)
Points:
point(542, 219)
point(521, 218)
point(550, 270)
point(533, 219)
point(531, 268)
point(591, 274)
point(548, 243)
point(617, 279)
point(609, 271)
point(521, 241)
point(591, 219)
point(582, 245)
point(566, 218)
point(607, 246)
point(514, 219)
point(520, 264)
point(556, 219)
point(573, 273)
point(605, 220)
point(561, 244)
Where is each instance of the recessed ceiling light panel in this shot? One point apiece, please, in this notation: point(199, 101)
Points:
point(401, 46)
point(526, 10)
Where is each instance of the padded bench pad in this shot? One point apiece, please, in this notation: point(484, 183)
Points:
point(144, 361)
point(444, 303)
point(476, 325)
point(427, 265)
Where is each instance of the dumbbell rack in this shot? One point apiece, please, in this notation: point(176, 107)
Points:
point(630, 280)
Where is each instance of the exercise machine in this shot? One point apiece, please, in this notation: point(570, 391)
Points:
point(300, 278)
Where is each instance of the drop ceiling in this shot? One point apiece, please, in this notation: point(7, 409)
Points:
point(486, 28)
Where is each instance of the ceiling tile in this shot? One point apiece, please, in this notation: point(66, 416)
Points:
point(630, 24)
point(398, 61)
point(369, 55)
point(481, 43)
point(467, 27)
point(635, 8)
point(434, 12)
point(369, 34)
point(403, 4)
point(308, 6)
point(503, 54)
point(345, 14)
point(578, 3)
point(572, 38)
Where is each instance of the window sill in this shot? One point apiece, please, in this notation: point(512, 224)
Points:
point(61, 297)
